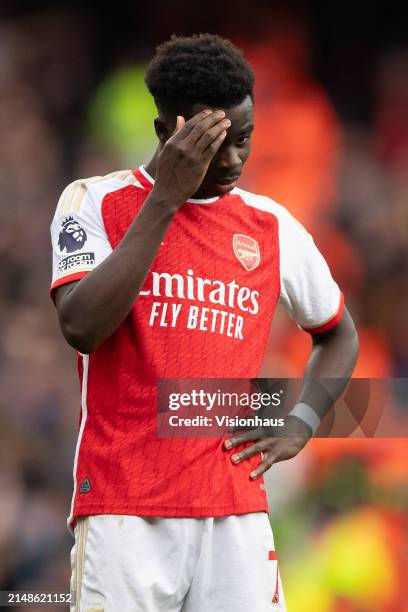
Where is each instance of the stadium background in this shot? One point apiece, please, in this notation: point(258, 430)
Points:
point(331, 144)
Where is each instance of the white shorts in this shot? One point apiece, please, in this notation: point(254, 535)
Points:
point(126, 563)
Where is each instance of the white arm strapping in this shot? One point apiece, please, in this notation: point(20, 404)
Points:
point(307, 415)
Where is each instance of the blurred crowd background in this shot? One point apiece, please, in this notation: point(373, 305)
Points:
point(331, 144)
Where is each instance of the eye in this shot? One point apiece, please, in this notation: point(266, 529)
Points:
point(243, 139)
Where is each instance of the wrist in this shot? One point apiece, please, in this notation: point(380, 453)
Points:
point(165, 200)
point(306, 414)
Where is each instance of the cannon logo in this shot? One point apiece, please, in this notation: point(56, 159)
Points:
point(246, 250)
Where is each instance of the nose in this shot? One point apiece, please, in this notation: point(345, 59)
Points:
point(228, 159)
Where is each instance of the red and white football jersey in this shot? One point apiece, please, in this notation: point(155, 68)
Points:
point(205, 311)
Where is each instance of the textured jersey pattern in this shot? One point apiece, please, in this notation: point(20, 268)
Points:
point(205, 310)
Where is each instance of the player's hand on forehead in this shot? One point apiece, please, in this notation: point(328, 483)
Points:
point(212, 121)
point(188, 153)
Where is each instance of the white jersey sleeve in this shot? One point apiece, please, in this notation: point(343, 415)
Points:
point(78, 236)
point(308, 292)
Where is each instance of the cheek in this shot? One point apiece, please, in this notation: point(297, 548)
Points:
point(245, 152)
point(234, 154)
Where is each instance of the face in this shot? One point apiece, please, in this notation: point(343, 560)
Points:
point(227, 164)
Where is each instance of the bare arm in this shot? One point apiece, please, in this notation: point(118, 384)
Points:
point(91, 309)
point(328, 370)
point(330, 365)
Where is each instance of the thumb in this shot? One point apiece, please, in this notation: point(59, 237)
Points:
point(179, 123)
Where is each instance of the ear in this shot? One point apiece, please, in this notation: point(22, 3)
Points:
point(163, 129)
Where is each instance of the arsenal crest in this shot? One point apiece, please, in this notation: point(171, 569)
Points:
point(246, 250)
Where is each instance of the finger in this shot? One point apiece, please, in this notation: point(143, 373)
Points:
point(282, 452)
point(248, 452)
point(187, 126)
point(210, 151)
point(194, 135)
point(269, 460)
point(236, 428)
point(243, 418)
point(180, 122)
point(254, 434)
point(209, 136)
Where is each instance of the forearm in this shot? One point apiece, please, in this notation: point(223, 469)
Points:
point(328, 370)
point(330, 366)
point(96, 305)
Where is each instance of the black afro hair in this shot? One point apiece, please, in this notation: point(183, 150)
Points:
point(203, 68)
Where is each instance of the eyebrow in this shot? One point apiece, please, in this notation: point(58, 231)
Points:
point(247, 128)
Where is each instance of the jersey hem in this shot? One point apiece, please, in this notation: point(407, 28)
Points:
point(169, 511)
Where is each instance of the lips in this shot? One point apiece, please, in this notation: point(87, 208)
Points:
point(227, 180)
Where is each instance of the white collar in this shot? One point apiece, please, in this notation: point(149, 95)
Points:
point(147, 176)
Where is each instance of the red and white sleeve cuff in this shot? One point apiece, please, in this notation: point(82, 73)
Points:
point(64, 280)
point(330, 323)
